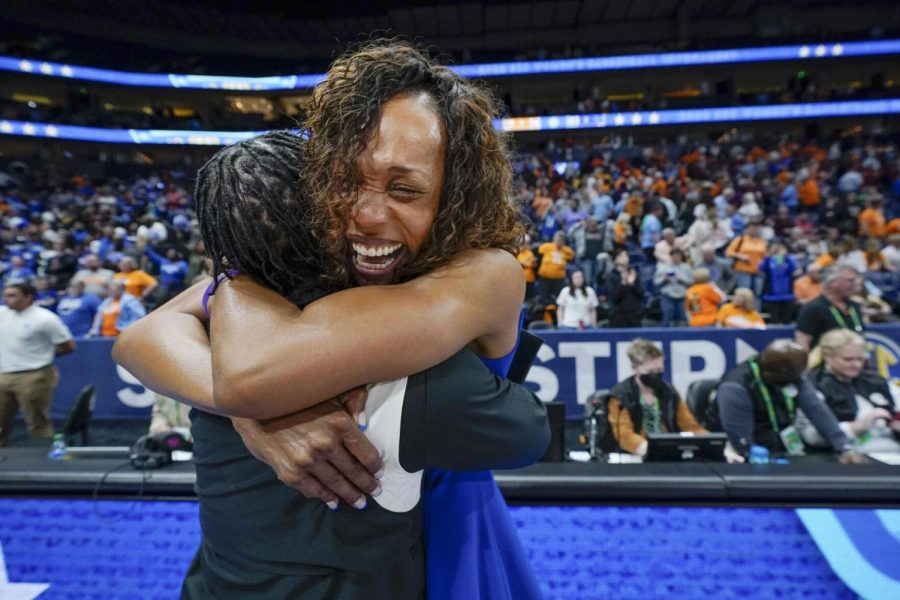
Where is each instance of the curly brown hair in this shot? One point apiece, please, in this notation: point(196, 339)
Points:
point(475, 211)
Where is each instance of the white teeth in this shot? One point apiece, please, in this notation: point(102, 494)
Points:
point(375, 251)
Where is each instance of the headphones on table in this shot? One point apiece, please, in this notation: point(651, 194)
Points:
point(154, 450)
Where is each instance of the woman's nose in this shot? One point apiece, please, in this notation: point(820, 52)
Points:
point(370, 210)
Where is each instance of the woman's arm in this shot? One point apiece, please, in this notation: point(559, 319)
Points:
point(168, 350)
point(269, 359)
point(623, 429)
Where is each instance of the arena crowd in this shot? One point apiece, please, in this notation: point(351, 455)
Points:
point(730, 235)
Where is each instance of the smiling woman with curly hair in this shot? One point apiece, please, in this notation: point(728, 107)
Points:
point(343, 117)
point(409, 182)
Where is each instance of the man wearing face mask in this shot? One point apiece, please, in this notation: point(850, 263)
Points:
point(757, 401)
point(644, 403)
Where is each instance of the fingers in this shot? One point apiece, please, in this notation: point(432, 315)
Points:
point(311, 487)
point(362, 450)
point(355, 405)
point(334, 481)
point(355, 473)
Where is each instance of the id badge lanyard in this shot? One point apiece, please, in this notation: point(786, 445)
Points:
point(767, 398)
point(839, 318)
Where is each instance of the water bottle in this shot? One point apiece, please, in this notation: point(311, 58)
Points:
point(759, 455)
point(58, 448)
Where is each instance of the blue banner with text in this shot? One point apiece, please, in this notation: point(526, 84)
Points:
point(570, 366)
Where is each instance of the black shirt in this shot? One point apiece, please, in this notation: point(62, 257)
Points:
point(263, 539)
point(818, 317)
point(840, 396)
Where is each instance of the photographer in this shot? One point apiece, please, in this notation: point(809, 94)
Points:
point(644, 403)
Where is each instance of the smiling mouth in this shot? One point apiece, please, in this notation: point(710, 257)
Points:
point(375, 261)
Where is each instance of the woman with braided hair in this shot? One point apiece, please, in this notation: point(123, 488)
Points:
point(408, 182)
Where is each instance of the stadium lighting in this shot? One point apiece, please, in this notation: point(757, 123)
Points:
point(487, 70)
point(688, 116)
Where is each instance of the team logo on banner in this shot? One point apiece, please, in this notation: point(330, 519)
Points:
point(886, 356)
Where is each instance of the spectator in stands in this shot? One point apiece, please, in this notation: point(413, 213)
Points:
point(645, 403)
point(833, 309)
point(748, 251)
point(851, 181)
point(757, 401)
point(750, 210)
point(589, 243)
point(651, 230)
point(77, 309)
point(808, 189)
point(622, 231)
point(555, 256)
point(61, 264)
point(529, 262)
point(44, 295)
point(30, 337)
point(871, 220)
point(117, 311)
point(891, 253)
point(702, 300)
point(720, 271)
point(601, 205)
point(662, 252)
point(576, 305)
point(672, 280)
point(138, 283)
point(808, 287)
point(859, 398)
point(740, 312)
point(706, 230)
point(94, 276)
point(835, 214)
point(173, 270)
point(623, 288)
point(18, 271)
point(872, 255)
point(778, 271)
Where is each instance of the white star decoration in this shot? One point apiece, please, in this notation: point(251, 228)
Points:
point(17, 591)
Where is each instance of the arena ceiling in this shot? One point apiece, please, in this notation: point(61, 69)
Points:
point(300, 31)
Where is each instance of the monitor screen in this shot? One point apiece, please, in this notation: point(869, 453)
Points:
point(686, 446)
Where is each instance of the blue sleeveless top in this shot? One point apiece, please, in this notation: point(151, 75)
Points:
point(473, 550)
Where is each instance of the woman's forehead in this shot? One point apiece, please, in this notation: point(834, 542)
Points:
point(409, 137)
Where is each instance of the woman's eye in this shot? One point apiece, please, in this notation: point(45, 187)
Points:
point(404, 191)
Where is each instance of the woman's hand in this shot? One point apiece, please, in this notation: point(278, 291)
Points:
point(732, 456)
point(867, 421)
point(319, 451)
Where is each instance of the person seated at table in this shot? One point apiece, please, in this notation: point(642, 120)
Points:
point(739, 313)
point(645, 403)
point(169, 415)
point(858, 397)
point(757, 401)
point(702, 300)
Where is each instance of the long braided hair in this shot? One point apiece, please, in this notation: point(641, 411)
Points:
point(255, 218)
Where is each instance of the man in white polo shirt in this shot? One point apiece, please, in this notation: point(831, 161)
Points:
point(30, 337)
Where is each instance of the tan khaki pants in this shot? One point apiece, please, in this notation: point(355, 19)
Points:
point(32, 391)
